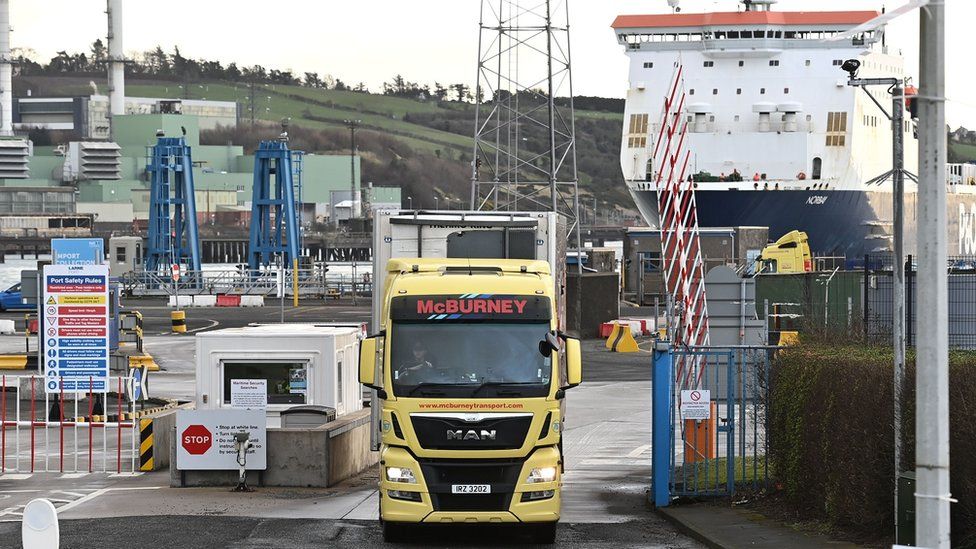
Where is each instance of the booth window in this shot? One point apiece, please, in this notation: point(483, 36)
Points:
point(339, 361)
point(286, 380)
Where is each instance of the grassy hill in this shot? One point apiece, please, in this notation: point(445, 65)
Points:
point(424, 146)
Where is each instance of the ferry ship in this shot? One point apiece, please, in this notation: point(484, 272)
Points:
point(777, 136)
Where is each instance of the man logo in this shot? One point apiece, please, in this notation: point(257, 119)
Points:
point(471, 434)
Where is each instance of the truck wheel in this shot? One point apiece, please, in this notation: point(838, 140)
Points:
point(395, 532)
point(544, 533)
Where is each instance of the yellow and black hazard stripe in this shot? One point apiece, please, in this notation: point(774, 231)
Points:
point(179, 321)
point(146, 444)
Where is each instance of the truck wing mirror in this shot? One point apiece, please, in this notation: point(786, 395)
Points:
point(549, 344)
point(574, 366)
point(367, 362)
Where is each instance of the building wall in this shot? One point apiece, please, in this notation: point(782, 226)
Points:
point(109, 212)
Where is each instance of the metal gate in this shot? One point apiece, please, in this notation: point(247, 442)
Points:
point(709, 420)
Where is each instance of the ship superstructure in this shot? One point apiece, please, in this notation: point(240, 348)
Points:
point(777, 137)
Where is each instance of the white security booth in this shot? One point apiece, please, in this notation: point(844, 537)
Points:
point(302, 364)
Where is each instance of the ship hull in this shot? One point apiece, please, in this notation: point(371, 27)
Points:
point(838, 223)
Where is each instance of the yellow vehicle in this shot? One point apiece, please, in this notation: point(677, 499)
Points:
point(471, 372)
point(789, 254)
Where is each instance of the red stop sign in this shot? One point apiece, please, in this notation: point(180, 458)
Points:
point(196, 439)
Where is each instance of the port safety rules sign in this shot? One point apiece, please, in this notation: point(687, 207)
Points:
point(75, 328)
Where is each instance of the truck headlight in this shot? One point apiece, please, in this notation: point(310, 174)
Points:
point(400, 474)
point(542, 474)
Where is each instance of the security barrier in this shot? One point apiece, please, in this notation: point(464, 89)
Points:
point(621, 339)
point(66, 432)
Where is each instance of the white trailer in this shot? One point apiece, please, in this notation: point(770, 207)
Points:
point(481, 235)
point(303, 364)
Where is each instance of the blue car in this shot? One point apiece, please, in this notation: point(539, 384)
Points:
point(12, 300)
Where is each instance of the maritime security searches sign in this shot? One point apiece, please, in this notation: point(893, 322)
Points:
point(76, 320)
point(471, 307)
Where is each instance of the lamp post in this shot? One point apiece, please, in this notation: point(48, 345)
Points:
point(435, 203)
point(409, 202)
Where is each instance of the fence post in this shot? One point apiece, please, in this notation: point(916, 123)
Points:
point(909, 327)
point(661, 430)
point(867, 303)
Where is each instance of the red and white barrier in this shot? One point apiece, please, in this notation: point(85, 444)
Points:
point(188, 301)
point(27, 430)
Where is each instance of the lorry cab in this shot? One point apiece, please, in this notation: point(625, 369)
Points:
point(789, 254)
point(471, 371)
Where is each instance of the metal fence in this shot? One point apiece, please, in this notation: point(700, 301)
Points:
point(66, 432)
point(709, 421)
point(878, 284)
point(311, 282)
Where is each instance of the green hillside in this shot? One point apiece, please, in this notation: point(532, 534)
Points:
point(424, 146)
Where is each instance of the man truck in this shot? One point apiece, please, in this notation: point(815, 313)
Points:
point(469, 367)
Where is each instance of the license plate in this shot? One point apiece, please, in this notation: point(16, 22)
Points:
point(471, 488)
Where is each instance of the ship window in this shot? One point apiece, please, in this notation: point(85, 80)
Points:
point(738, 91)
point(836, 129)
point(648, 65)
point(774, 62)
point(691, 91)
point(714, 91)
point(711, 118)
point(736, 118)
point(807, 63)
point(638, 124)
point(733, 34)
point(838, 62)
point(709, 63)
point(636, 142)
point(786, 90)
point(789, 34)
point(762, 91)
point(817, 167)
point(746, 34)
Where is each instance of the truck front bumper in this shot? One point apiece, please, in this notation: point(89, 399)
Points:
point(430, 498)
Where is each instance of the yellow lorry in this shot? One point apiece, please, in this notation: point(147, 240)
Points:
point(470, 369)
point(790, 254)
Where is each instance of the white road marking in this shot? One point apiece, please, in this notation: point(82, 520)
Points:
point(97, 493)
point(16, 476)
point(74, 475)
point(213, 324)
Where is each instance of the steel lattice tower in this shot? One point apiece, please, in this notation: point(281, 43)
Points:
point(525, 134)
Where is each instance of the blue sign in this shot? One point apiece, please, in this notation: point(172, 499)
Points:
point(77, 251)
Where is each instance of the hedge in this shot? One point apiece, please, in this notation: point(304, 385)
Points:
point(830, 435)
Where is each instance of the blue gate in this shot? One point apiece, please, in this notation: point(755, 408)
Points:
point(709, 420)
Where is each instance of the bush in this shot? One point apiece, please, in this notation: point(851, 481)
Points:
point(831, 435)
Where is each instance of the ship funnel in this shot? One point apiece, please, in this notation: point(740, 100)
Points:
point(6, 91)
point(116, 58)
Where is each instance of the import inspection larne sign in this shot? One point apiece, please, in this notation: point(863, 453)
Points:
point(76, 322)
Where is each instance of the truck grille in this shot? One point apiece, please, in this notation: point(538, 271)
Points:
point(444, 432)
point(501, 474)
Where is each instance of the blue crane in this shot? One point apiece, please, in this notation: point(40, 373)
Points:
point(274, 206)
point(173, 235)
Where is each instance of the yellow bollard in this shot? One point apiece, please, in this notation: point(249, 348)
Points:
point(179, 321)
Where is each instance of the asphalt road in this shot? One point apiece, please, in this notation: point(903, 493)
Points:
point(606, 444)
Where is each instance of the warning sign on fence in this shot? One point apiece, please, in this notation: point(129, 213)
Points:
point(696, 404)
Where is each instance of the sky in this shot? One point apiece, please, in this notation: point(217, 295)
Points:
point(425, 40)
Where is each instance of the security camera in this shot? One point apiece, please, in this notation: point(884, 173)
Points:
point(851, 66)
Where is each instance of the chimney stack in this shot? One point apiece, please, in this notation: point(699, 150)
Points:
point(6, 87)
point(116, 58)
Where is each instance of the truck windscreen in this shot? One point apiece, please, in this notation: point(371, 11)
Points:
point(481, 359)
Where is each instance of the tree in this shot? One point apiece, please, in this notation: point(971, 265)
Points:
point(312, 80)
point(232, 72)
point(462, 91)
point(99, 54)
point(440, 92)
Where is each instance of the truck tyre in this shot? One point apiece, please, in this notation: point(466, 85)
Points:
point(544, 533)
point(395, 532)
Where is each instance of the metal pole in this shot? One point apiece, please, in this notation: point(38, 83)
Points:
point(932, 498)
point(898, 297)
